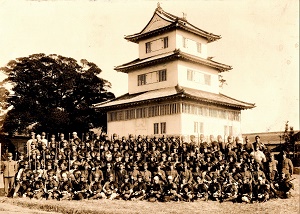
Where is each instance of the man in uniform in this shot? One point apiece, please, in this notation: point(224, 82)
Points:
point(9, 169)
point(170, 190)
point(139, 189)
point(287, 166)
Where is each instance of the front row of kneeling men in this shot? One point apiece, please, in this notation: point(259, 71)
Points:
point(230, 184)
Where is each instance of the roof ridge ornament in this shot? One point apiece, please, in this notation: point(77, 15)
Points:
point(184, 15)
point(158, 8)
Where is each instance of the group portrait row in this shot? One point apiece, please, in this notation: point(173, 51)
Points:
point(147, 168)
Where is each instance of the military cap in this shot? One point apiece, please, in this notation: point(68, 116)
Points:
point(9, 154)
point(245, 165)
point(77, 172)
point(156, 178)
point(126, 176)
point(131, 136)
point(115, 135)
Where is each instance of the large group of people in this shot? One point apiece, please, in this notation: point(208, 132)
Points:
point(147, 168)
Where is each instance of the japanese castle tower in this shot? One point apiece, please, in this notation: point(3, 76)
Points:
point(173, 86)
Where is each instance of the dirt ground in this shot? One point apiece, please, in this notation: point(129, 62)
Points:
point(8, 208)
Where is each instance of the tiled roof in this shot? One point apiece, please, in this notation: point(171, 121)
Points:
point(175, 22)
point(268, 137)
point(173, 55)
point(171, 93)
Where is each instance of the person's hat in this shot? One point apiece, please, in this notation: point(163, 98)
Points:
point(126, 177)
point(170, 177)
point(9, 154)
point(115, 135)
point(43, 134)
point(131, 136)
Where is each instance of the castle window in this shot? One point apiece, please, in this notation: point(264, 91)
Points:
point(157, 44)
point(153, 111)
point(166, 42)
point(162, 75)
point(184, 42)
point(198, 127)
point(148, 47)
point(152, 77)
point(142, 79)
point(156, 128)
point(199, 47)
point(129, 114)
point(141, 112)
point(207, 79)
point(198, 77)
point(163, 128)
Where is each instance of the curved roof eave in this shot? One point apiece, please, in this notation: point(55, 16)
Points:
point(176, 55)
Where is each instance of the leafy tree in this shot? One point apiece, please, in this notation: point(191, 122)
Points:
point(4, 93)
point(54, 94)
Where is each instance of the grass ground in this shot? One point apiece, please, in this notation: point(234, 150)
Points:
point(278, 206)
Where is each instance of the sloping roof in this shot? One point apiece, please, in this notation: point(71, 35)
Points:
point(269, 137)
point(169, 56)
point(171, 93)
point(170, 22)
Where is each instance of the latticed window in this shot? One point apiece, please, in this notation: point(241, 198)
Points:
point(163, 128)
point(148, 47)
point(166, 42)
point(142, 79)
point(162, 75)
point(141, 112)
point(129, 114)
point(184, 42)
point(153, 111)
point(156, 128)
point(199, 48)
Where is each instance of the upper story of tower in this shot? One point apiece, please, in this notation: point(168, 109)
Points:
point(172, 52)
point(166, 32)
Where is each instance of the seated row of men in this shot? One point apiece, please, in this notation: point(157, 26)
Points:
point(152, 169)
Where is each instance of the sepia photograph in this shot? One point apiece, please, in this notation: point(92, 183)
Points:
point(123, 106)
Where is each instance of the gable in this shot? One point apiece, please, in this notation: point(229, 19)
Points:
point(155, 23)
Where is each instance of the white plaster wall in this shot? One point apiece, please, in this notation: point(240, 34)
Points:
point(182, 77)
point(171, 78)
point(144, 126)
point(212, 126)
point(191, 43)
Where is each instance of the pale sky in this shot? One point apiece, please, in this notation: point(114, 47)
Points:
point(260, 40)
